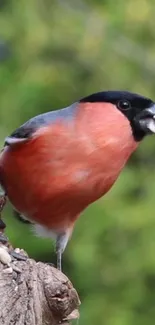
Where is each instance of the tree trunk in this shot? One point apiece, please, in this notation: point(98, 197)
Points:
point(34, 293)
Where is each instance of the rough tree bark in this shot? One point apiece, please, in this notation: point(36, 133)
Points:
point(34, 293)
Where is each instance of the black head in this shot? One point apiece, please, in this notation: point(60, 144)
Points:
point(139, 110)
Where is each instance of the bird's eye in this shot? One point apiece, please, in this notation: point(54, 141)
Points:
point(124, 105)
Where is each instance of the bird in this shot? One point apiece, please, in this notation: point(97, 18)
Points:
point(58, 163)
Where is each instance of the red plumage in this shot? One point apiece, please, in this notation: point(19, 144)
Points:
point(52, 177)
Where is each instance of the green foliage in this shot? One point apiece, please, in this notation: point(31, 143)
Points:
point(51, 54)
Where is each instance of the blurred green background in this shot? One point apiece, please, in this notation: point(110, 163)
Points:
point(51, 54)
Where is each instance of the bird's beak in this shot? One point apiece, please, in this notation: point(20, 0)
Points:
point(146, 120)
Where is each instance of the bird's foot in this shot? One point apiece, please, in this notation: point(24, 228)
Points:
point(14, 253)
point(51, 264)
point(18, 256)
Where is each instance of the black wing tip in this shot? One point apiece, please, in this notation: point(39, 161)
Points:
point(20, 218)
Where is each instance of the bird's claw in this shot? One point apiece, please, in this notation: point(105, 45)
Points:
point(18, 256)
point(50, 264)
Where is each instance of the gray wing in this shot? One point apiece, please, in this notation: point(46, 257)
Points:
point(27, 130)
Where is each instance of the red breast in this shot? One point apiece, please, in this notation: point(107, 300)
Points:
point(52, 177)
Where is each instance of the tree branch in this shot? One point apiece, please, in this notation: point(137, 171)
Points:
point(34, 293)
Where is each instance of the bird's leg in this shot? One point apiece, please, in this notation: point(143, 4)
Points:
point(2, 202)
point(3, 238)
point(59, 259)
point(61, 243)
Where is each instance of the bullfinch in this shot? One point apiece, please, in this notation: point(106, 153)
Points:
point(58, 163)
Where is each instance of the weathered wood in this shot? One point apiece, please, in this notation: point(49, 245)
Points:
point(34, 293)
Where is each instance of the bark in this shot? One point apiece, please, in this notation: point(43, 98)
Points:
point(34, 293)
